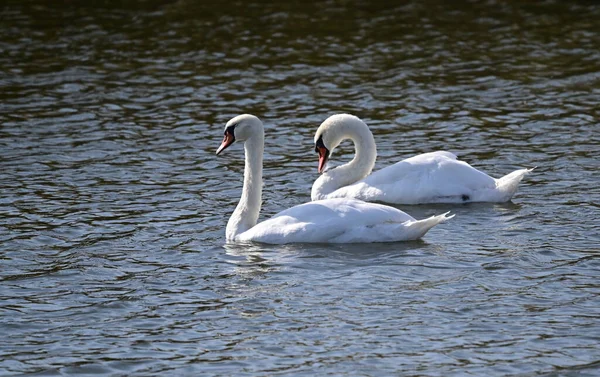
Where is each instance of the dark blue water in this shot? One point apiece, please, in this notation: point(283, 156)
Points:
point(113, 205)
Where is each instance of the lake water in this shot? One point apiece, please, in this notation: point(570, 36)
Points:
point(113, 204)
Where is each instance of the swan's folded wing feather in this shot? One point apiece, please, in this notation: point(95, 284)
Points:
point(421, 178)
point(329, 220)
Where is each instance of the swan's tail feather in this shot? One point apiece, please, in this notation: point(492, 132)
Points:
point(417, 229)
point(508, 184)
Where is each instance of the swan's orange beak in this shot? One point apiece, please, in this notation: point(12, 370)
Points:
point(227, 141)
point(323, 157)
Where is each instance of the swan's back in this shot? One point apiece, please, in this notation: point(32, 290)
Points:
point(425, 178)
point(339, 221)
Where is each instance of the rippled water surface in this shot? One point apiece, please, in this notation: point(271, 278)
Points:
point(113, 204)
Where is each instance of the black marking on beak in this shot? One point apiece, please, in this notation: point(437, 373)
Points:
point(323, 152)
point(228, 139)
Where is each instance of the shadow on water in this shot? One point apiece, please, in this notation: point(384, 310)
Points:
point(336, 253)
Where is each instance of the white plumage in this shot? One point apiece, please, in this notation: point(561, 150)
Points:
point(340, 221)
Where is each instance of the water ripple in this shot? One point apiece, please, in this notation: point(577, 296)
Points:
point(113, 205)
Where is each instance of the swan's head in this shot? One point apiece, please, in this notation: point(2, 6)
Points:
point(240, 128)
point(332, 132)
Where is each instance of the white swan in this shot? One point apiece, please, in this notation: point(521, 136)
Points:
point(331, 220)
point(435, 177)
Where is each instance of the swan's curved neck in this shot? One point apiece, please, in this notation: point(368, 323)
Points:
point(246, 213)
point(357, 169)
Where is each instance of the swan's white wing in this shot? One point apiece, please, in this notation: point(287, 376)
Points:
point(339, 221)
point(428, 177)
